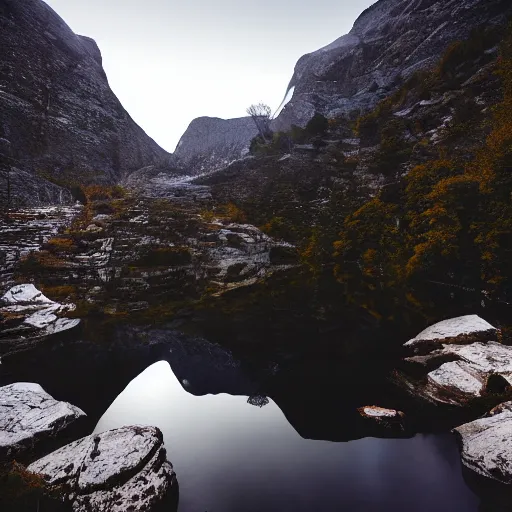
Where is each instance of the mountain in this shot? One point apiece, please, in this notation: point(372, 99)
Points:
point(389, 42)
point(211, 143)
point(60, 123)
point(408, 200)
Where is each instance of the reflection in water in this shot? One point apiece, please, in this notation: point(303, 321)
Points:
point(232, 456)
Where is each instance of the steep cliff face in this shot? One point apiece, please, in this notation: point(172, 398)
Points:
point(389, 42)
point(59, 120)
point(211, 143)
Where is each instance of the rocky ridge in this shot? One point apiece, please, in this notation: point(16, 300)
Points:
point(390, 41)
point(131, 255)
point(61, 122)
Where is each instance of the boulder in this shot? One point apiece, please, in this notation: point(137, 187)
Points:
point(34, 314)
point(486, 444)
point(457, 377)
point(25, 295)
point(461, 330)
point(387, 418)
point(31, 419)
point(457, 361)
point(471, 374)
point(118, 470)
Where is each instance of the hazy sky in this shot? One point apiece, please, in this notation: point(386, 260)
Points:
point(170, 61)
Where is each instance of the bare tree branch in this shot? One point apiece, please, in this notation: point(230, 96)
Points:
point(261, 115)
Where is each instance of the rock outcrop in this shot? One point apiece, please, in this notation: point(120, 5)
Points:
point(134, 254)
point(486, 444)
point(60, 121)
point(461, 330)
point(389, 42)
point(118, 470)
point(388, 419)
point(31, 418)
point(458, 362)
point(211, 143)
point(26, 314)
point(27, 230)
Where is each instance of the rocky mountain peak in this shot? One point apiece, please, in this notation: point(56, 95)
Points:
point(211, 143)
point(389, 42)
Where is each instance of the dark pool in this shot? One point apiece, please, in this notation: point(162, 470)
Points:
point(232, 456)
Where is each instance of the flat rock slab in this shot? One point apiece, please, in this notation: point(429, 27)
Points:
point(118, 470)
point(372, 411)
point(29, 314)
point(388, 418)
point(468, 376)
point(457, 377)
point(488, 357)
point(461, 330)
point(486, 444)
point(25, 294)
point(29, 416)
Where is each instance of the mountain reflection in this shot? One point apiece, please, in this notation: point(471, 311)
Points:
point(231, 456)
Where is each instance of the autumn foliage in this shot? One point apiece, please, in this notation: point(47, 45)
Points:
point(452, 219)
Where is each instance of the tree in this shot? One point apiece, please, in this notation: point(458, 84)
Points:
point(262, 115)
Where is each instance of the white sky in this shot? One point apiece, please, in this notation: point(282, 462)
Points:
point(171, 61)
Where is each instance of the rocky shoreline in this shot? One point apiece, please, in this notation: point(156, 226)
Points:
point(122, 469)
point(127, 468)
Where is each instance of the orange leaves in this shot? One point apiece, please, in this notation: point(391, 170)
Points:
point(454, 217)
point(103, 192)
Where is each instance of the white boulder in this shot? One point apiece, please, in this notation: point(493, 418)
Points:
point(462, 330)
point(456, 377)
point(456, 361)
point(118, 470)
point(25, 294)
point(486, 444)
point(35, 314)
point(29, 416)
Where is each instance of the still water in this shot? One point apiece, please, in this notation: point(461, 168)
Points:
point(231, 456)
